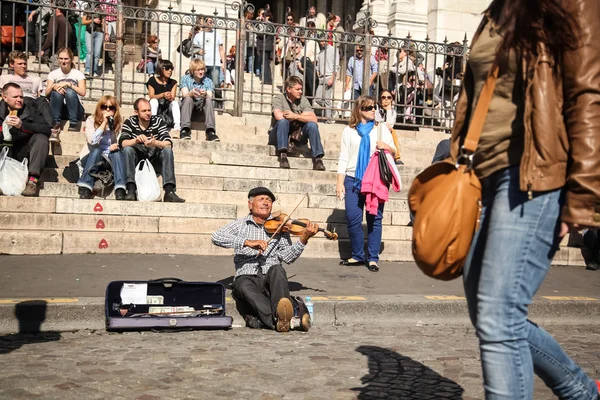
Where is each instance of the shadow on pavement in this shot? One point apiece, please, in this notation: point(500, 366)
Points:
point(31, 314)
point(394, 376)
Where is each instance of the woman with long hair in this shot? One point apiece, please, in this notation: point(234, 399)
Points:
point(162, 90)
point(360, 139)
point(101, 131)
point(537, 160)
point(386, 104)
point(152, 54)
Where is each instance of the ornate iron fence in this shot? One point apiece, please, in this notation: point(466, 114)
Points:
point(420, 78)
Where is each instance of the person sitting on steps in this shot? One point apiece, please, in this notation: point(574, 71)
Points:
point(197, 93)
point(101, 131)
point(260, 286)
point(65, 87)
point(294, 121)
point(145, 136)
point(29, 133)
point(162, 91)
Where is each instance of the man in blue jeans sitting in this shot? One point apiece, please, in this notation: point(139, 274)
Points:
point(145, 136)
point(294, 121)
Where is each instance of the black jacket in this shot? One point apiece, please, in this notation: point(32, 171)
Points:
point(35, 116)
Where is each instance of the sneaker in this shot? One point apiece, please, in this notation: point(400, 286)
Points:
point(74, 127)
point(54, 134)
point(32, 189)
point(120, 194)
point(185, 134)
point(283, 161)
point(211, 136)
point(330, 121)
point(87, 74)
point(285, 312)
point(399, 162)
point(300, 323)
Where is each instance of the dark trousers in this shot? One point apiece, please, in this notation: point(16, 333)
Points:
point(161, 159)
point(592, 242)
point(258, 295)
point(35, 150)
point(310, 134)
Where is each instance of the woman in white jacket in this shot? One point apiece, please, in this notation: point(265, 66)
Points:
point(359, 142)
point(101, 131)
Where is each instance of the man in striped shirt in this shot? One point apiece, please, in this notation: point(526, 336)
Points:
point(260, 286)
point(145, 136)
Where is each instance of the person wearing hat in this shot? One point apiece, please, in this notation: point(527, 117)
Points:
point(260, 286)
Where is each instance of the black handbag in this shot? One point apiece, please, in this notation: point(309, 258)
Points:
point(384, 168)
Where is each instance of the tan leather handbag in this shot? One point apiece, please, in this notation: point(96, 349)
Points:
point(446, 201)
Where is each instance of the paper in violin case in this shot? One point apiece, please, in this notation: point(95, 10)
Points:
point(166, 303)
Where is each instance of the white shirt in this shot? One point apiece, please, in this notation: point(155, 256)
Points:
point(31, 85)
point(351, 144)
point(74, 76)
point(210, 43)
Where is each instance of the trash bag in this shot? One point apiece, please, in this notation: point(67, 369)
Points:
point(13, 174)
point(148, 188)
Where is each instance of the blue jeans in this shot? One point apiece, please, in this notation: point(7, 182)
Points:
point(150, 66)
point(93, 42)
point(358, 92)
point(355, 205)
point(508, 261)
point(74, 109)
point(94, 156)
point(214, 73)
point(310, 133)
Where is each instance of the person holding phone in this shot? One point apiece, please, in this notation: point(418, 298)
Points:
point(197, 95)
point(101, 131)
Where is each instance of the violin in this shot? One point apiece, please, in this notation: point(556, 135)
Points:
point(294, 227)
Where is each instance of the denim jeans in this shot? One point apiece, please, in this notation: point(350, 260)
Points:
point(355, 206)
point(150, 66)
point(508, 261)
point(310, 132)
point(162, 160)
point(94, 156)
point(74, 109)
point(94, 42)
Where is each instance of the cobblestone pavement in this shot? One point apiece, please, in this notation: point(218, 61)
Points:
point(408, 362)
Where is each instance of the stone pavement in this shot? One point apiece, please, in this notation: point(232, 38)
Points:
point(405, 362)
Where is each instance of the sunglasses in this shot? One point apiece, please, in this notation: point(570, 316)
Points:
point(359, 51)
point(168, 68)
point(107, 107)
point(367, 108)
point(290, 20)
point(386, 97)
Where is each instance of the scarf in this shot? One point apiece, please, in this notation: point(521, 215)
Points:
point(363, 152)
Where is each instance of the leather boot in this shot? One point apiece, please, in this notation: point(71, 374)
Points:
point(283, 161)
point(318, 164)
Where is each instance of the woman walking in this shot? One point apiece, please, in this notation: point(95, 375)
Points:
point(359, 142)
point(540, 171)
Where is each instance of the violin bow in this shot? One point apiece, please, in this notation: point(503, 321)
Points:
point(286, 220)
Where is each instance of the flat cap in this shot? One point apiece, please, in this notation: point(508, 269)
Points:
point(261, 190)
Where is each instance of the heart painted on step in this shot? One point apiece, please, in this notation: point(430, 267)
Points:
point(100, 224)
point(103, 244)
point(98, 207)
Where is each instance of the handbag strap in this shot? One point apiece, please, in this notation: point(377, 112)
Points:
point(481, 110)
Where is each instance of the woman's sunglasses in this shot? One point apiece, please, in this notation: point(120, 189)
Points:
point(168, 68)
point(367, 108)
point(108, 107)
point(386, 97)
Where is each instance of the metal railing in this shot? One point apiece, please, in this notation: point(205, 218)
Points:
point(423, 77)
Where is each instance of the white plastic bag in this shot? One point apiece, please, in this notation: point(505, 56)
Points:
point(6, 131)
point(13, 174)
point(148, 188)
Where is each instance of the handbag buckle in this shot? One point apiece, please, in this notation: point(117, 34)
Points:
point(467, 156)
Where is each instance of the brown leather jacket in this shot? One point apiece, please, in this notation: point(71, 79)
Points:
point(561, 119)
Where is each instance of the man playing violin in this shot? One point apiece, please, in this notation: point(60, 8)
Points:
point(260, 286)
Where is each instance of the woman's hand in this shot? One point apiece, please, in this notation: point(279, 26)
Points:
point(383, 146)
point(340, 191)
point(114, 147)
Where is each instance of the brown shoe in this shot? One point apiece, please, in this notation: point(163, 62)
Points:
point(283, 161)
point(318, 164)
point(285, 312)
point(31, 190)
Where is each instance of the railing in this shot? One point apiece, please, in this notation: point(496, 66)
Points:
point(423, 77)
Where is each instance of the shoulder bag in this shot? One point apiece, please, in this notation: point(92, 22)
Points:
point(446, 201)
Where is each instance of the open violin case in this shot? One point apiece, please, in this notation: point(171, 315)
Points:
point(166, 303)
